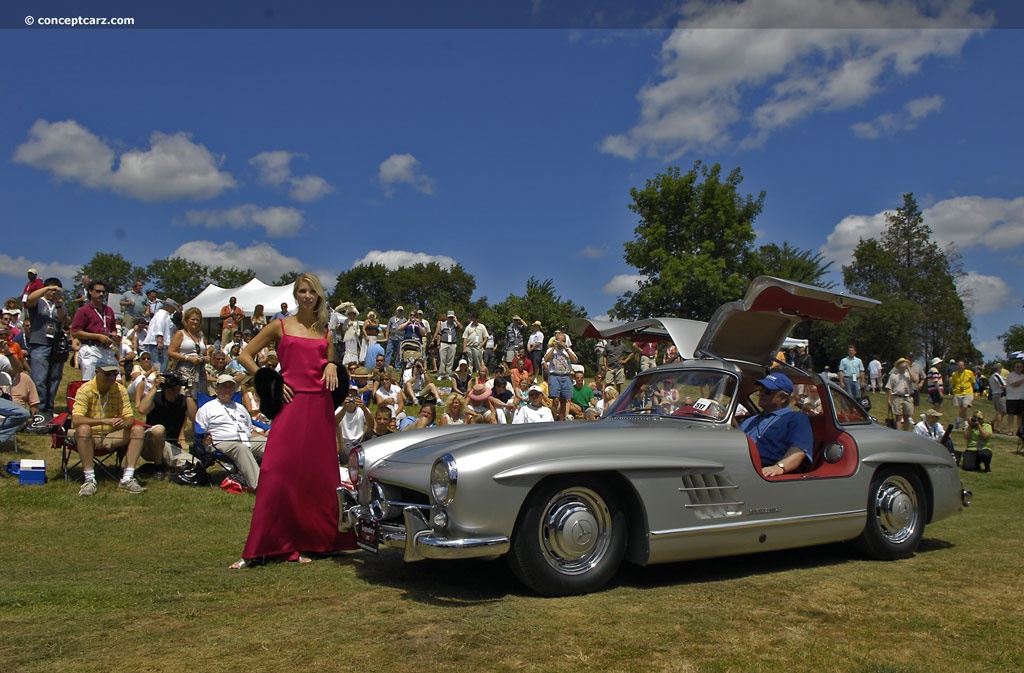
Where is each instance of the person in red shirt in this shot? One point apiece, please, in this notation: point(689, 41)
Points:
point(648, 354)
point(231, 321)
point(33, 284)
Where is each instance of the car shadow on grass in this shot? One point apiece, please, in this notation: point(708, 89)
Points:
point(474, 581)
point(442, 583)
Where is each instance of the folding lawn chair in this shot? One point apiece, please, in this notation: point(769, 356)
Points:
point(208, 456)
point(62, 436)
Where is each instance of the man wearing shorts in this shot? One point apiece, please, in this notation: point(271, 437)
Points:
point(1015, 396)
point(560, 359)
point(997, 388)
point(103, 416)
point(900, 387)
point(961, 383)
point(616, 355)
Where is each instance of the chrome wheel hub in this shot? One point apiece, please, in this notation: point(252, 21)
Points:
point(575, 530)
point(897, 510)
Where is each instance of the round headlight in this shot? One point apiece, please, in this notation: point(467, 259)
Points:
point(355, 465)
point(443, 478)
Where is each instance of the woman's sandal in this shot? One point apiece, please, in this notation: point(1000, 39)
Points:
point(239, 564)
point(304, 559)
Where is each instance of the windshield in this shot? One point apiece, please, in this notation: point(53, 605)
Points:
point(697, 393)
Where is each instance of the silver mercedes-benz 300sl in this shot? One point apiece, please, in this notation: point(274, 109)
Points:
point(666, 474)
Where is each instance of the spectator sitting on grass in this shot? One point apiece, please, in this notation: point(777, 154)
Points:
point(417, 386)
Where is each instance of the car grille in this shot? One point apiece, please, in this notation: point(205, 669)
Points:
point(387, 501)
point(712, 495)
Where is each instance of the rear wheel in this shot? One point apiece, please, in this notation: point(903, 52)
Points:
point(896, 513)
point(570, 538)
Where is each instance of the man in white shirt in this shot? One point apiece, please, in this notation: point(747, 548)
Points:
point(535, 411)
point(930, 426)
point(352, 418)
point(158, 335)
point(228, 426)
point(473, 339)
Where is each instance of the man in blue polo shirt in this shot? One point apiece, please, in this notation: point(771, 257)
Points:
point(782, 434)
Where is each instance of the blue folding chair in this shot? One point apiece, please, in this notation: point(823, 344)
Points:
point(210, 456)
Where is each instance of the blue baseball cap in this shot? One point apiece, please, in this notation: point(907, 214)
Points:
point(777, 382)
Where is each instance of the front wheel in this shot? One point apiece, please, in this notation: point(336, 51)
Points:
point(896, 513)
point(570, 537)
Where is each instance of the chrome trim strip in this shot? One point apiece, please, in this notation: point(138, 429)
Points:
point(686, 489)
point(403, 505)
point(761, 523)
point(737, 503)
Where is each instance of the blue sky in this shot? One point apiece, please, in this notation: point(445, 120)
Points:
point(510, 151)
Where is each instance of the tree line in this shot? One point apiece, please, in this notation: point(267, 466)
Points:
point(694, 248)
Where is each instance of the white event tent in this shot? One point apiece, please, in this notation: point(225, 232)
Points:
point(213, 298)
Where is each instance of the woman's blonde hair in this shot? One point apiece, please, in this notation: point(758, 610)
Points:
point(321, 312)
point(191, 311)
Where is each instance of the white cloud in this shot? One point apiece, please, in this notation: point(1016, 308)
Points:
point(278, 221)
point(965, 221)
point(17, 267)
point(851, 229)
point(985, 294)
point(263, 258)
point(623, 283)
point(893, 122)
point(174, 167)
point(275, 169)
point(969, 221)
point(394, 259)
point(733, 75)
point(405, 169)
point(309, 188)
point(590, 252)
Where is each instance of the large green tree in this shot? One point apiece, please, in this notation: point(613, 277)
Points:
point(1013, 339)
point(430, 287)
point(693, 244)
point(792, 263)
point(114, 270)
point(178, 278)
point(539, 302)
point(915, 279)
point(229, 276)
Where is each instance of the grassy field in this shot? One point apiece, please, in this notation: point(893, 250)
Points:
point(119, 583)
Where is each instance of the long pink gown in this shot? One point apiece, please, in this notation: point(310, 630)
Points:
point(296, 504)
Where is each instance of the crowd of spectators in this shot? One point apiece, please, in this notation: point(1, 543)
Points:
point(406, 372)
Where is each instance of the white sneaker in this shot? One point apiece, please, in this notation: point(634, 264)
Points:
point(88, 488)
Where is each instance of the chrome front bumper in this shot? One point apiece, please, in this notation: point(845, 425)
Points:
point(416, 538)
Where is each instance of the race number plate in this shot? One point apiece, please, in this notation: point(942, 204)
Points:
point(368, 534)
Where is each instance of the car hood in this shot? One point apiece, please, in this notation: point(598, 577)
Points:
point(511, 452)
point(749, 330)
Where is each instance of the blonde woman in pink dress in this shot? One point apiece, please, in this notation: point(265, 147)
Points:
point(296, 511)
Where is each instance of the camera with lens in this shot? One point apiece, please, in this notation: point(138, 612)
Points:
point(171, 380)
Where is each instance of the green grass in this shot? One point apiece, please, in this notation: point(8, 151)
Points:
point(118, 583)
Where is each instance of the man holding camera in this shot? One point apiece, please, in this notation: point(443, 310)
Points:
point(977, 455)
point(93, 326)
point(166, 410)
point(46, 324)
point(560, 359)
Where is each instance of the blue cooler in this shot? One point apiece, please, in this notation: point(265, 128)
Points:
point(32, 473)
